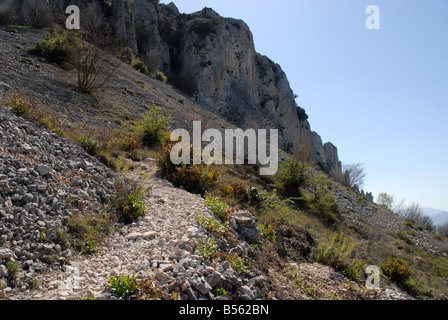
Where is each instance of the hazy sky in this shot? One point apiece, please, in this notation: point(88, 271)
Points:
point(381, 96)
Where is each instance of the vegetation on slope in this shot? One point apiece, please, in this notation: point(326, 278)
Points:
point(302, 212)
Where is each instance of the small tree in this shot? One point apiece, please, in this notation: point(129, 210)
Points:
point(385, 200)
point(90, 64)
point(37, 13)
point(91, 60)
point(354, 175)
point(415, 213)
point(292, 176)
point(443, 230)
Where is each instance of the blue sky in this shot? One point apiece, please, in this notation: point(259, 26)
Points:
point(381, 96)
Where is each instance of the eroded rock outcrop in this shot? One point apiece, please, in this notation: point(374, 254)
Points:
point(214, 60)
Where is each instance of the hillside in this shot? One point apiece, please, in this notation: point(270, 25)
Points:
point(62, 235)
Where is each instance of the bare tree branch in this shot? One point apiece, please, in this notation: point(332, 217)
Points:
point(354, 175)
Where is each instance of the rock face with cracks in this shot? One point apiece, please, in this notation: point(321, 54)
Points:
point(212, 59)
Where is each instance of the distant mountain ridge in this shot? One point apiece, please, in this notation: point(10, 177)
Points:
point(438, 216)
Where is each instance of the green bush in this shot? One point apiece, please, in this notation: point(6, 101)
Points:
point(397, 270)
point(55, 48)
point(139, 65)
point(238, 264)
point(213, 226)
point(336, 252)
point(90, 145)
point(134, 207)
point(323, 204)
point(292, 176)
point(13, 269)
point(268, 232)
point(153, 126)
point(159, 75)
point(58, 131)
point(217, 206)
point(208, 249)
point(129, 192)
point(355, 270)
point(125, 287)
point(326, 209)
point(417, 289)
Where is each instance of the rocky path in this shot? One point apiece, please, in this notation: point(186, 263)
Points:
point(163, 245)
point(44, 179)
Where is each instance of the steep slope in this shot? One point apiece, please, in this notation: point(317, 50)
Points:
point(161, 248)
point(34, 200)
point(213, 60)
point(378, 232)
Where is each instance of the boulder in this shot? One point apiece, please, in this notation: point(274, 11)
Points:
point(7, 254)
point(43, 169)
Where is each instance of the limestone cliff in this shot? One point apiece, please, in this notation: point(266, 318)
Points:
point(212, 59)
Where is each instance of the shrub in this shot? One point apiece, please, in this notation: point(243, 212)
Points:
point(355, 270)
point(397, 270)
point(213, 226)
point(323, 204)
point(167, 169)
point(55, 47)
point(218, 207)
point(134, 207)
point(326, 208)
point(153, 126)
point(20, 106)
point(268, 232)
point(197, 178)
point(238, 264)
point(139, 65)
point(129, 192)
point(202, 26)
point(193, 178)
point(58, 131)
point(92, 68)
point(125, 287)
point(89, 62)
point(13, 269)
point(208, 249)
point(37, 13)
point(417, 289)
point(336, 252)
point(292, 176)
point(301, 113)
point(90, 145)
point(159, 75)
